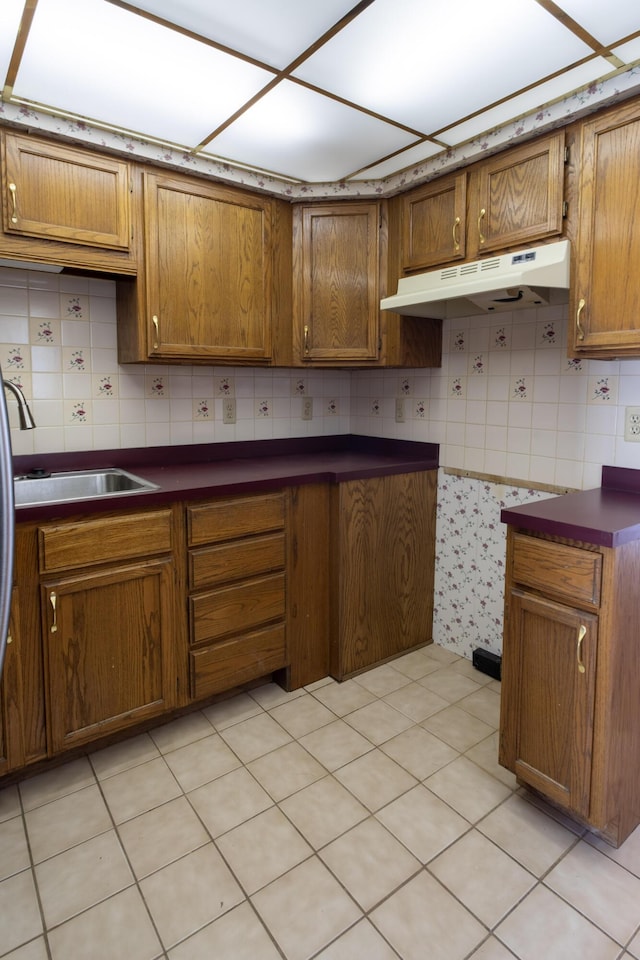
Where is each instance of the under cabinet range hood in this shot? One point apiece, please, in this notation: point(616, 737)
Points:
point(538, 276)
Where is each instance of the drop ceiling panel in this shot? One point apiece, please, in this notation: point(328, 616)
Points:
point(527, 102)
point(10, 13)
point(95, 60)
point(298, 133)
point(274, 33)
point(408, 158)
point(432, 64)
point(605, 21)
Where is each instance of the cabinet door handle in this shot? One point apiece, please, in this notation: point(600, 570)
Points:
point(306, 339)
point(53, 600)
point(156, 325)
point(456, 234)
point(12, 191)
point(581, 305)
point(582, 632)
point(480, 219)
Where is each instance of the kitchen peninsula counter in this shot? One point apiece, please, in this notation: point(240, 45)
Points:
point(608, 515)
point(188, 472)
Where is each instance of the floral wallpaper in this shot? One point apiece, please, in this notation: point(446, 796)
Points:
point(556, 114)
point(470, 561)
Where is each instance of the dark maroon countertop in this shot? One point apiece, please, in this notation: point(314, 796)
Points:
point(219, 469)
point(608, 516)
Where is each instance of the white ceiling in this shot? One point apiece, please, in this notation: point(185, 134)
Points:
point(312, 91)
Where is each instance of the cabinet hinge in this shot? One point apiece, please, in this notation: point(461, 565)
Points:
point(566, 154)
point(565, 209)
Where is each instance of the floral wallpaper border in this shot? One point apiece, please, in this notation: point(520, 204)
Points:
point(585, 101)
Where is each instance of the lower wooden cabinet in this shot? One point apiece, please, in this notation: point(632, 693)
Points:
point(383, 534)
point(107, 624)
point(570, 715)
point(12, 752)
point(237, 591)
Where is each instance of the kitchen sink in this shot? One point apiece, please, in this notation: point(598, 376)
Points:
point(32, 490)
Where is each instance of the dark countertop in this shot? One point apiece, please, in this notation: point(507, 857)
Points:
point(210, 470)
point(608, 516)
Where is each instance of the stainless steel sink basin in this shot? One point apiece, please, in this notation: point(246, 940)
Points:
point(77, 485)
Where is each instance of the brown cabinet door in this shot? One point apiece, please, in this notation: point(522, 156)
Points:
point(108, 648)
point(434, 223)
point(60, 193)
point(520, 194)
point(11, 697)
point(605, 308)
point(337, 281)
point(548, 689)
point(384, 535)
point(208, 271)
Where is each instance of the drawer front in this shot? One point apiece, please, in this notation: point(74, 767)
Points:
point(237, 609)
point(225, 665)
point(65, 546)
point(236, 560)
point(558, 569)
point(228, 519)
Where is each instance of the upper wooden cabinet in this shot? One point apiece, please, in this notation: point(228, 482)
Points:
point(512, 198)
point(336, 282)
point(520, 194)
point(77, 201)
point(205, 295)
point(434, 219)
point(605, 304)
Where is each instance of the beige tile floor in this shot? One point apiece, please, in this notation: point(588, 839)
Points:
point(367, 819)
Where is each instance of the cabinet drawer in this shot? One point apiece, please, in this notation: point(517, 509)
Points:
point(238, 608)
point(236, 560)
point(225, 665)
point(65, 546)
point(227, 519)
point(557, 568)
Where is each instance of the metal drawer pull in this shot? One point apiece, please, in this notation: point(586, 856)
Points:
point(53, 599)
point(156, 325)
point(480, 219)
point(456, 234)
point(306, 338)
point(582, 632)
point(12, 190)
point(581, 305)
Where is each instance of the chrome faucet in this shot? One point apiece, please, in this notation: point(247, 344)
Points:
point(24, 413)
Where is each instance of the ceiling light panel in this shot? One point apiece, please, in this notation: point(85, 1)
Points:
point(93, 59)
point(274, 33)
point(10, 14)
point(505, 113)
point(408, 158)
point(431, 64)
point(296, 132)
point(606, 22)
point(629, 52)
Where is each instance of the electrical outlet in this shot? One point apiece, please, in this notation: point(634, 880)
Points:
point(399, 409)
point(632, 424)
point(307, 408)
point(229, 410)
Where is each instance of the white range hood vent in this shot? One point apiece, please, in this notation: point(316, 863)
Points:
point(529, 278)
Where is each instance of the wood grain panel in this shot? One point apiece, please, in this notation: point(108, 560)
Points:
point(86, 542)
point(109, 663)
point(224, 665)
point(435, 222)
point(557, 569)
point(66, 194)
point(237, 608)
point(220, 520)
point(384, 531)
point(236, 560)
